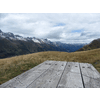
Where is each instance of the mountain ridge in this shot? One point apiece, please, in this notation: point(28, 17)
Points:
point(95, 44)
point(11, 45)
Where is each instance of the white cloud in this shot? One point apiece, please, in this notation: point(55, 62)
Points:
point(64, 27)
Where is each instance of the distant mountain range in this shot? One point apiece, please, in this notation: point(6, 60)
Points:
point(12, 45)
point(93, 45)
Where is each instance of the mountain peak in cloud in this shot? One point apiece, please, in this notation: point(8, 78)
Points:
point(0, 31)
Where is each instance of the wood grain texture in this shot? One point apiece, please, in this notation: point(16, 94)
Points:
point(91, 76)
point(29, 76)
point(57, 74)
point(50, 78)
point(71, 77)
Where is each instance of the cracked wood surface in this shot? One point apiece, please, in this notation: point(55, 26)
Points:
point(57, 74)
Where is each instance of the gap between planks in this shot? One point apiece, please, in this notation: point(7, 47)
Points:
point(57, 74)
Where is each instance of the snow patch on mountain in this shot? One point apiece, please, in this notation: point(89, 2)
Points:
point(46, 41)
point(35, 40)
point(11, 36)
point(17, 37)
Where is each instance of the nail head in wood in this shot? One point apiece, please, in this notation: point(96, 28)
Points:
point(68, 65)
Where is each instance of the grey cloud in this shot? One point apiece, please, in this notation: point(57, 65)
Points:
point(54, 34)
point(85, 33)
point(52, 26)
point(3, 15)
point(90, 34)
point(94, 35)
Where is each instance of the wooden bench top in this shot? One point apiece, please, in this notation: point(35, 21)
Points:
point(57, 74)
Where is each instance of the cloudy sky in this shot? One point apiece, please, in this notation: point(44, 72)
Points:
point(64, 27)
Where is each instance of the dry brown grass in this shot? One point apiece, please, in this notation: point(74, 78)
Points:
point(11, 67)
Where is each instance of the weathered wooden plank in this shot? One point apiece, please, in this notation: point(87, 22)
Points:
point(91, 76)
point(29, 76)
point(74, 67)
point(52, 74)
point(50, 78)
point(92, 67)
point(25, 74)
point(71, 77)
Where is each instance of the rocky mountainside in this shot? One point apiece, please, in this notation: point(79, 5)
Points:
point(11, 45)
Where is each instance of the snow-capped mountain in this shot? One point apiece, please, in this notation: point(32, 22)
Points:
point(9, 35)
point(11, 45)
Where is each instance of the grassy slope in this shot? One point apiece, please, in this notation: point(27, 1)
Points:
point(95, 44)
point(11, 67)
